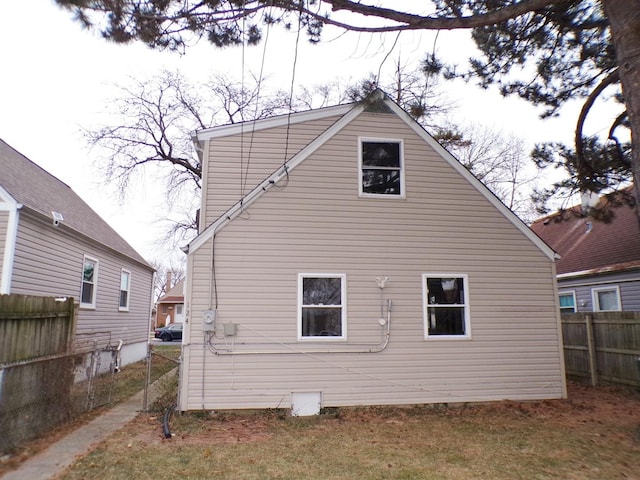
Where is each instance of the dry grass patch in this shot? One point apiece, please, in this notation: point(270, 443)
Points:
point(593, 435)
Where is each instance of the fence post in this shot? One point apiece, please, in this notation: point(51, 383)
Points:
point(593, 369)
point(147, 382)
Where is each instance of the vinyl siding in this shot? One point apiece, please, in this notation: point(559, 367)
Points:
point(48, 261)
point(262, 152)
point(627, 282)
point(317, 223)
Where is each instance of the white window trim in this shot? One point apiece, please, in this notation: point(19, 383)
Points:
point(402, 168)
point(573, 294)
point(120, 307)
point(96, 269)
point(343, 318)
point(8, 204)
point(467, 308)
point(596, 302)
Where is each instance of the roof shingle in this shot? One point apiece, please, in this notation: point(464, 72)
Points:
point(588, 245)
point(41, 192)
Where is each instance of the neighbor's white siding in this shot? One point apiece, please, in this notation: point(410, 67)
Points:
point(318, 223)
point(49, 261)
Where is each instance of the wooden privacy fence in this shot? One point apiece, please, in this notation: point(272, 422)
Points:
point(32, 327)
point(36, 366)
point(602, 347)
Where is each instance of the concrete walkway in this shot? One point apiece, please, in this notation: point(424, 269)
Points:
point(50, 463)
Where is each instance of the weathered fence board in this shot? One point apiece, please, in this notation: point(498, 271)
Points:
point(603, 347)
point(32, 327)
point(36, 366)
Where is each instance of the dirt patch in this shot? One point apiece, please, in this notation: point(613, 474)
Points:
point(191, 429)
point(585, 405)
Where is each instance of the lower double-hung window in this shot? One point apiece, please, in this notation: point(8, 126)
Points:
point(446, 299)
point(321, 311)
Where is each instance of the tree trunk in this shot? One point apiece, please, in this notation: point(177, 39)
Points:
point(624, 18)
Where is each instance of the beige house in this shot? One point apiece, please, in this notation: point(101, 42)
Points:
point(349, 259)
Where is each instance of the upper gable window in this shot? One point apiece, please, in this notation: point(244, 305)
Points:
point(89, 283)
point(381, 167)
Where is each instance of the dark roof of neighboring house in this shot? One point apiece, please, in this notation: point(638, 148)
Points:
point(586, 245)
point(175, 294)
point(41, 192)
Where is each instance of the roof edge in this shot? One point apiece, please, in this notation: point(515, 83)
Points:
point(76, 233)
point(479, 186)
point(350, 112)
point(616, 268)
point(271, 122)
point(353, 111)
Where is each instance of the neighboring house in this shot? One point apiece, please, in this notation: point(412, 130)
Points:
point(170, 307)
point(349, 259)
point(599, 265)
point(53, 244)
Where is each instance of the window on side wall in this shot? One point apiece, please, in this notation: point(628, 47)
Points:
point(381, 167)
point(606, 299)
point(89, 286)
point(446, 299)
point(321, 311)
point(125, 289)
point(567, 302)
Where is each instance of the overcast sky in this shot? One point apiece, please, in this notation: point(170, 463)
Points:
point(56, 78)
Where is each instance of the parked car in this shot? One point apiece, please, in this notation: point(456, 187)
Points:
point(170, 332)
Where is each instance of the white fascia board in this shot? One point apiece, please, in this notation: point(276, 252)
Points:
point(481, 187)
point(9, 204)
point(271, 122)
point(610, 269)
point(351, 112)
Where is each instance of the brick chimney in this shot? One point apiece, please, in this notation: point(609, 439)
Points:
point(168, 285)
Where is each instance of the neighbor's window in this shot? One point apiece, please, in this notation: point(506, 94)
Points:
point(89, 283)
point(381, 167)
point(125, 286)
point(446, 305)
point(606, 299)
point(321, 306)
point(567, 302)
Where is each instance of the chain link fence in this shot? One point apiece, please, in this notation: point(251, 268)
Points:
point(39, 395)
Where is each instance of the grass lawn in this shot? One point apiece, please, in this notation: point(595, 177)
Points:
point(595, 434)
